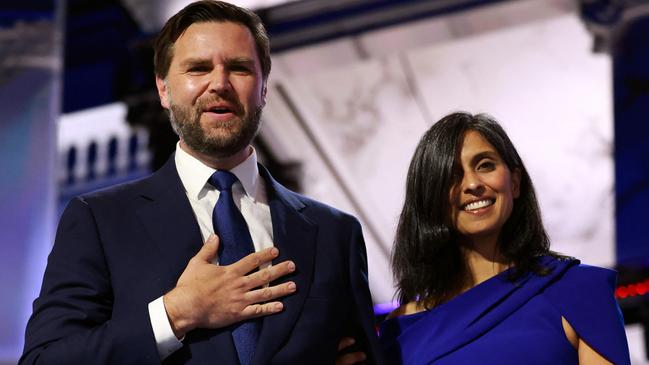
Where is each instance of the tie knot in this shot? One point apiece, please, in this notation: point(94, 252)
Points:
point(223, 180)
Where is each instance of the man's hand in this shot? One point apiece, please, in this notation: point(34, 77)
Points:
point(212, 296)
point(350, 358)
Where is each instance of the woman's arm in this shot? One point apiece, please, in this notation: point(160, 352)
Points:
point(586, 353)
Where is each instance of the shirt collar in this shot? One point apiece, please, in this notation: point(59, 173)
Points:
point(194, 174)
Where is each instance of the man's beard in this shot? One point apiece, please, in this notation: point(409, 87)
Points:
point(186, 122)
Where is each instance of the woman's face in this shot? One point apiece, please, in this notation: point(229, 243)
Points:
point(482, 201)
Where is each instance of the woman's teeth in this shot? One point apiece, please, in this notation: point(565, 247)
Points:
point(479, 204)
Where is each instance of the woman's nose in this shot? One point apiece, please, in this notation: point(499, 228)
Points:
point(473, 185)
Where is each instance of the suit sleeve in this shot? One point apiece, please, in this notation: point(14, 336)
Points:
point(72, 320)
point(364, 311)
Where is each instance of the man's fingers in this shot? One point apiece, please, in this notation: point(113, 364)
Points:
point(345, 342)
point(258, 310)
point(352, 358)
point(265, 276)
point(270, 293)
point(209, 249)
point(254, 260)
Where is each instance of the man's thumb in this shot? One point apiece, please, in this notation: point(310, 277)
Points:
point(209, 249)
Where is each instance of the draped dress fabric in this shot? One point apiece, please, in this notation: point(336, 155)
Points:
point(505, 322)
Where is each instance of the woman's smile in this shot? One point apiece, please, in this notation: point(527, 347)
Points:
point(483, 199)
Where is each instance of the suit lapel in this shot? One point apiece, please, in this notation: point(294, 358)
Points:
point(295, 237)
point(168, 218)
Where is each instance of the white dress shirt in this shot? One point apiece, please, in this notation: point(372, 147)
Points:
point(249, 195)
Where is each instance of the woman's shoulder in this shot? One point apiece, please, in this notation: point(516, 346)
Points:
point(576, 286)
point(580, 277)
point(585, 296)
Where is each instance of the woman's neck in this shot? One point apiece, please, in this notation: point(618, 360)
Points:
point(484, 261)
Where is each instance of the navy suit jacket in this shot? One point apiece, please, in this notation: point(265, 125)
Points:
point(119, 249)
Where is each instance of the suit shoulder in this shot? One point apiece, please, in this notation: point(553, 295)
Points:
point(302, 203)
point(159, 182)
point(317, 207)
point(125, 194)
point(119, 191)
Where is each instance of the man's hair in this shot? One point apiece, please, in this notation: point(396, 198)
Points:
point(209, 11)
point(429, 266)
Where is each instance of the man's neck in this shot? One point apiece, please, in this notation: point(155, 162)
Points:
point(219, 163)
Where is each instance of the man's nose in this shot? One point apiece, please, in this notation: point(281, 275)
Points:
point(219, 80)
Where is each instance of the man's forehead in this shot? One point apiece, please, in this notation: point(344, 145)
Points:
point(203, 38)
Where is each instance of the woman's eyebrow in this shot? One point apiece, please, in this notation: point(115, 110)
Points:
point(484, 154)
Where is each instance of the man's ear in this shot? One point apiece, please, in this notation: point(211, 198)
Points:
point(264, 91)
point(516, 183)
point(163, 91)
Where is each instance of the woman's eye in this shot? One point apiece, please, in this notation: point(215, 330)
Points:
point(486, 166)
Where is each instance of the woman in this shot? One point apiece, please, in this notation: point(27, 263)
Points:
point(475, 276)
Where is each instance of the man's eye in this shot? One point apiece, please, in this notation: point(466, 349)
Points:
point(240, 68)
point(198, 69)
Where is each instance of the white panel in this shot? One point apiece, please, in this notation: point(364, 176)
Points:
point(635, 336)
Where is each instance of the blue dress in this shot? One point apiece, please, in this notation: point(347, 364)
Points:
point(503, 322)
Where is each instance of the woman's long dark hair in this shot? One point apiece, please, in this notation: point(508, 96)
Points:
point(428, 264)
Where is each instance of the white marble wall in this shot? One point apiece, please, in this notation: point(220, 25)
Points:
point(362, 117)
point(364, 102)
point(553, 96)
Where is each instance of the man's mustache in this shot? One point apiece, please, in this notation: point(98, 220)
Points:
point(231, 100)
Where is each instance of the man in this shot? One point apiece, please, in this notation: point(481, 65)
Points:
point(129, 280)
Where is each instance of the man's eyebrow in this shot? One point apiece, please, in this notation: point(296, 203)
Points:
point(240, 61)
point(195, 61)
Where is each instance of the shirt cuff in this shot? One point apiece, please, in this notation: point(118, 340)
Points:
point(164, 336)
